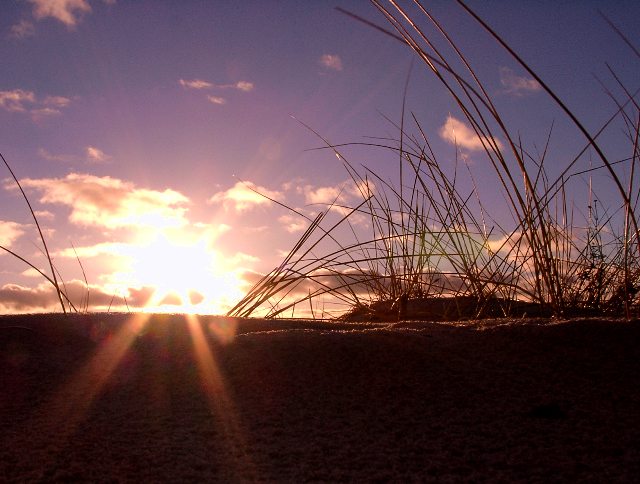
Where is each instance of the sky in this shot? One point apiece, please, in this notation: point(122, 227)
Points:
point(138, 129)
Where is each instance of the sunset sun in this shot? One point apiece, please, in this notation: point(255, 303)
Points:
point(187, 274)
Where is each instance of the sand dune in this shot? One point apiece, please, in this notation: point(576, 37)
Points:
point(166, 399)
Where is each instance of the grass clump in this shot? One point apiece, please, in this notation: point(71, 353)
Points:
point(433, 250)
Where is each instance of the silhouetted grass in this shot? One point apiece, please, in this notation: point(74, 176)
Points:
point(432, 238)
point(54, 278)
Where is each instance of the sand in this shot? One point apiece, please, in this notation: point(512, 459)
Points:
point(122, 398)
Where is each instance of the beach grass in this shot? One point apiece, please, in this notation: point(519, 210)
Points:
point(433, 238)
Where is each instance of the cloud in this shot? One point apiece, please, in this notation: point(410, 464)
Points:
point(21, 101)
point(331, 61)
point(44, 154)
point(199, 84)
point(96, 250)
point(517, 85)
point(293, 224)
point(19, 298)
point(14, 297)
point(44, 215)
point(321, 194)
point(241, 196)
point(216, 99)
point(65, 11)
point(14, 101)
point(9, 232)
point(110, 202)
point(40, 113)
point(195, 84)
point(95, 155)
point(457, 133)
point(22, 29)
point(244, 86)
point(91, 154)
point(56, 101)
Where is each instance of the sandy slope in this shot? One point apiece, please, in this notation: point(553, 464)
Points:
point(113, 398)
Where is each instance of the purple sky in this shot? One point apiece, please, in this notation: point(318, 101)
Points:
point(132, 123)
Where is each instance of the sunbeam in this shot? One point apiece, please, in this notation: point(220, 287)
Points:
point(60, 416)
point(219, 399)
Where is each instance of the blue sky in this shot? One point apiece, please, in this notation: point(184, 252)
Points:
point(132, 124)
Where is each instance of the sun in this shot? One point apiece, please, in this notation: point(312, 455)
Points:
point(187, 273)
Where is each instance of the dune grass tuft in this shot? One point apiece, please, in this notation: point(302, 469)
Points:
point(434, 250)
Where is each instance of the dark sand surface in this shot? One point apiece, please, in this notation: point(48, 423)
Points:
point(117, 398)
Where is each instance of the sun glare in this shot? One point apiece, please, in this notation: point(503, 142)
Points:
point(188, 275)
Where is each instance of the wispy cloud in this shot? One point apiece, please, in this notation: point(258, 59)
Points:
point(40, 113)
point(56, 101)
point(457, 133)
point(22, 29)
point(331, 61)
point(16, 100)
point(195, 84)
point(216, 99)
point(96, 155)
point(242, 197)
point(201, 84)
point(517, 85)
point(244, 86)
point(68, 12)
point(22, 101)
point(91, 154)
point(110, 202)
point(46, 155)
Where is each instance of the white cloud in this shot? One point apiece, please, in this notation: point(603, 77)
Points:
point(110, 202)
point(22, 29)
point(216, 99)
point(517, 85)
point(331, 61)
point(242, 197)
point(65, 11)
point(195, 84)
point(9, 233)
point(457, 133)
point(95, 155)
